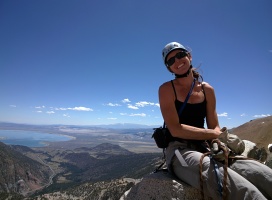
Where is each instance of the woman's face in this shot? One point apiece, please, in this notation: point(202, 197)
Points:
point(178, 61)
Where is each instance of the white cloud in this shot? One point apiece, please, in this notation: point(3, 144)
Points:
point(112, 118)
point(61, 108)
point(13, 106)
point(113, 104)
point(140, 115)
point(139, 104)
point(50, 112)
point(123, 113)
point(224, 114)
point(143, 104)
point(65, 115)
point(243, 115)
point(39, 107)
point(262, 115)
point(132, 107)
point(126, 101)
point(80, 108)
point(39, 111)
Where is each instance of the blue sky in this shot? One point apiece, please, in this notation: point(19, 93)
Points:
point(99, 62)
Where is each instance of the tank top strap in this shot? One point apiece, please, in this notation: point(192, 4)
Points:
point(174, 89)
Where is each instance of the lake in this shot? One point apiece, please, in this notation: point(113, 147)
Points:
point(30, 138)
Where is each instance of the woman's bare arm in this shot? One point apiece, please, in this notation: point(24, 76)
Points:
point(211, 117)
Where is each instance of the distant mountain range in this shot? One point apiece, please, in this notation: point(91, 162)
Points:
point(106, 126)
point(127, 126)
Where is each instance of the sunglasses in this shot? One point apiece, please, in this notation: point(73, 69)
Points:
point(179, 55)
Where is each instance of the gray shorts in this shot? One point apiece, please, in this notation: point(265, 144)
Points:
point(247, 179)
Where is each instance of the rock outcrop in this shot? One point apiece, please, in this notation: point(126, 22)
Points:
point(252, 151)
point(161, 186)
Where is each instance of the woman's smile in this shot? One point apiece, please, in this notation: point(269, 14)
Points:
point(181, 65)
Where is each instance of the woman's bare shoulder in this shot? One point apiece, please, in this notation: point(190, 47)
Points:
point(208, 89)
point(165, 86)
point(207, 86)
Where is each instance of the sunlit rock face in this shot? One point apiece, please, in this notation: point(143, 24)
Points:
point(252, 151)
point(161, 185)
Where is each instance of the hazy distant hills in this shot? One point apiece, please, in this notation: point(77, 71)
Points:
point(8, 125)
point(126, 126)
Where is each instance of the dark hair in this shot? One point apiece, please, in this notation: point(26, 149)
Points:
point(197, 75)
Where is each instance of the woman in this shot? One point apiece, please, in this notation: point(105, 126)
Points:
point(190, 135)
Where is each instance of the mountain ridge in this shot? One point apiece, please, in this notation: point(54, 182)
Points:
point(258, 131)
point(20, 173)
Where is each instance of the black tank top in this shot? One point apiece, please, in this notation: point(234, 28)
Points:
point(192, 114)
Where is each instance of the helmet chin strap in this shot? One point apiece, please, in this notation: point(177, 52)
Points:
point(185, 74)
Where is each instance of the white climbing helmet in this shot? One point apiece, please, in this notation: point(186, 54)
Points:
point(171, 47)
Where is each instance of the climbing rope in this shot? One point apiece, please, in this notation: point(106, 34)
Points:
point(200, 173)
point(222, 189)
